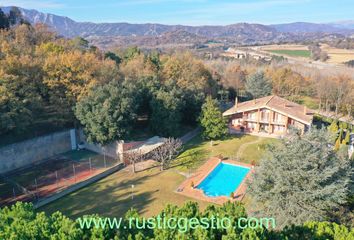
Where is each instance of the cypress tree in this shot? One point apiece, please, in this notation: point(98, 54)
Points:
point(211, 119)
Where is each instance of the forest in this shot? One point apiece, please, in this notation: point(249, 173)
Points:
point(48, 82)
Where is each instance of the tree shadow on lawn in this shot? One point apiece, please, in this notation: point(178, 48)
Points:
point(190, 159)
point(197, 151)
point(107, 197)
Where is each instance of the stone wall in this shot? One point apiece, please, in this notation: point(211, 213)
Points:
point(22, 154)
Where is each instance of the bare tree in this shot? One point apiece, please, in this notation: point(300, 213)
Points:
point(167, 152)
point(341, 91)
point(324, 87)
point(134, 156)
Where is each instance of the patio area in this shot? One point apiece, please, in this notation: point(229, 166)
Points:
point(237, 131)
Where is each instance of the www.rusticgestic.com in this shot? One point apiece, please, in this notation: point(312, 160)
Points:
point(180, 223)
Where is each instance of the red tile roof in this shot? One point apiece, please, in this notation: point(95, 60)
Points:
point(277, 104)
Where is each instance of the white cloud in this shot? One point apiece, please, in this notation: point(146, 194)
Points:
point(32, 4)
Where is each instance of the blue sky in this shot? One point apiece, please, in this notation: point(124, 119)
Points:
point(195, 12)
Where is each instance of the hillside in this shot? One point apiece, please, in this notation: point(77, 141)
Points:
point(151, 34)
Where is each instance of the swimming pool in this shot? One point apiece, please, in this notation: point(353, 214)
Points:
point(224, 179)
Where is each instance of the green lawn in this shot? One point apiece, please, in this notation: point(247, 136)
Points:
point(111, 196)
point(254, 152)
point(198, 150)
point(153, 189)
point(293, 53)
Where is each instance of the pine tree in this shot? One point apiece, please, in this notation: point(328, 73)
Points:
point(211, 119)
point(301, 179)
point(258, 85)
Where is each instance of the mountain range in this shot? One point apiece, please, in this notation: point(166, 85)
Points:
point(108, 34)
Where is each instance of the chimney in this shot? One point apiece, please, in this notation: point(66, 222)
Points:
point(236, 102)
point(255, 101)
point(305, 110)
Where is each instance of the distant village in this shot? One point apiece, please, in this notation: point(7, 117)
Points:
point(244, 53)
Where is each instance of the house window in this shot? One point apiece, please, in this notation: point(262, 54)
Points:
point(252, 116)
point(278, 117)
point(279, 128)
point(235, 122)
point(264, 115)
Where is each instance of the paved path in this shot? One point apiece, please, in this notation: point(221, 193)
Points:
point(243, 147)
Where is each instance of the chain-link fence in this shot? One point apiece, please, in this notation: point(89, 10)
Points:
point(42, 180)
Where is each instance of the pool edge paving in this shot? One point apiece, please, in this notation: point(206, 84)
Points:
point(202, 172)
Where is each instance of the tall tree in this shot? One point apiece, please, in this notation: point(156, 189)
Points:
point(301, 179)
point(107, 113)
point(69, 76)
point(114, 57)
point(187, 72)
point(211, 119)
point(131, 53)
point(341, 89)
point(166, 116)
point(258, 85)
point(286, 82)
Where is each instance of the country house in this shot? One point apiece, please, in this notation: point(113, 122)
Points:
point(272, 115)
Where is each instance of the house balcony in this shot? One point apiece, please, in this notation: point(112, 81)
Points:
point(263, 120)
point(278, 123)
point(247, 119)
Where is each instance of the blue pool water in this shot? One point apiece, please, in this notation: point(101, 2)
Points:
point(224, 179)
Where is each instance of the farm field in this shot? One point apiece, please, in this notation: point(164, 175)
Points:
point(292, 50)
point(336, 55)
point(292, 53)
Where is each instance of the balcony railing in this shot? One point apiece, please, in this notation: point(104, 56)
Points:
point(264, 120)
point(249, 119)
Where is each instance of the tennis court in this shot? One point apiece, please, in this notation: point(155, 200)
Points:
point(49, 177)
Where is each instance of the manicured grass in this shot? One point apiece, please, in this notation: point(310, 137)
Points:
point(153, 189)
point(198, 151)
point(255, 152)
point(293, 53)
point(111, 196)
